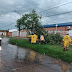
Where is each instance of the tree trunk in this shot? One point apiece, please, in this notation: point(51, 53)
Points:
point(19, 31)
point(32, 28)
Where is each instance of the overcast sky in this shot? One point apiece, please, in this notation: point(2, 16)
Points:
point(8, 16)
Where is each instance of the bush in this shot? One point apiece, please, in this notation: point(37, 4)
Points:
point(58, 38)
point(53, 38)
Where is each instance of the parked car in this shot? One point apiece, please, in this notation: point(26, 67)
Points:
point(0, 40)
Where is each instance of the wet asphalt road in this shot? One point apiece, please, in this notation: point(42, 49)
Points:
point(16, 59)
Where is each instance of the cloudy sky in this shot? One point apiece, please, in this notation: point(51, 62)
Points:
point(10, 11)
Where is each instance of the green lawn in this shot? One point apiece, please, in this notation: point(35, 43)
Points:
point(55, 51)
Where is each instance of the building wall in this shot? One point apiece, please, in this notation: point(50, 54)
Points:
point(4, 33)
point(22, 34)
point(1, 33)
point(10, 34)
point(64, 28)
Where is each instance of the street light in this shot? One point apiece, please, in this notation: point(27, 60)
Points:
point(56, 28)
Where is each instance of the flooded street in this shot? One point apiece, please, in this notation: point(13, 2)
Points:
point(16, 59)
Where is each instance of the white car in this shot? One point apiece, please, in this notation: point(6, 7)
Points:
point(0, 38)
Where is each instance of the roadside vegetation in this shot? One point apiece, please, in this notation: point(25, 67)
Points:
point(55, 51)
point(31, 22)
point(53, 38)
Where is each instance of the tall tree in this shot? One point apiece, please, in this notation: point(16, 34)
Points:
point(19, 23)
point(31, 21)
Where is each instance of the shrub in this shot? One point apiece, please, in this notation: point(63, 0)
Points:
point(53, 38)
point(58, 38)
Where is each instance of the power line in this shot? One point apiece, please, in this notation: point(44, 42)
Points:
point(8, 25)
point(43, 17)
point(47, 10)
point(55, 7)
point(58, 14)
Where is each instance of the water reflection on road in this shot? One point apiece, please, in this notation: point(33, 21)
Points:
point(26, 60)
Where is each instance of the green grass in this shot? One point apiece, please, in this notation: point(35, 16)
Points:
point(55, 51)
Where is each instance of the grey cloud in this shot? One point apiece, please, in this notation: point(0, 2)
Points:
point(21, 6)
point(7, 14)
point(7, 9)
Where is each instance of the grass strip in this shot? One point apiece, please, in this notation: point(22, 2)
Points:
point(50, 50)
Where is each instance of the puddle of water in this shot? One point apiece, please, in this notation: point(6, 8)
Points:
point(16, 57)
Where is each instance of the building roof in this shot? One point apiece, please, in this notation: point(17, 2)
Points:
point(12, 30)
point(59, 25)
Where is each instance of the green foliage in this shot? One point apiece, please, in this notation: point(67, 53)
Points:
point(40, 31)
point(19, 24)
point(53, 38)
point(31, 21)
point(58, 38)
point(13, 41)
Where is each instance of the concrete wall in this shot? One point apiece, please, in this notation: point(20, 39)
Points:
point(16, 33)
point(70, 32)
point(10, 34)
point(4, 33)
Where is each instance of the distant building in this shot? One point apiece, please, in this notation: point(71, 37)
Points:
point(15, 33)
point(4, 32)
point(63, 28)
point(60, 27)
point(11, 31)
